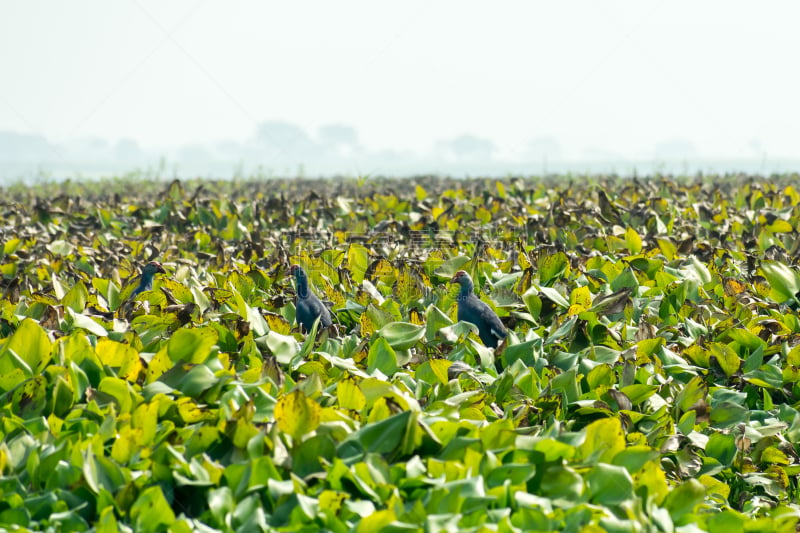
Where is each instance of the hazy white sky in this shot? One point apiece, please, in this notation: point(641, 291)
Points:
point(610, 77)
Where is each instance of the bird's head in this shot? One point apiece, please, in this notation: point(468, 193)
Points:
point(297, 271)
point(461, 277)
point(153, 267)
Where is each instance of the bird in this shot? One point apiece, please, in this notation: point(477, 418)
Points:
point(308, 306)
point(471, 309)
point(146, 281)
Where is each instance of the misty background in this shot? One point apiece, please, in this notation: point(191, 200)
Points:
point(196, 88)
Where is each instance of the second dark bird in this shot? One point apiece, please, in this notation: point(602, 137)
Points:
point(471, 309)
point(308, 306)
point(146, 281)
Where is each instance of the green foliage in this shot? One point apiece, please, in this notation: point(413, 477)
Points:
point(650, 379)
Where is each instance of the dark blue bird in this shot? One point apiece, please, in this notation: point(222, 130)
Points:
point(471, 309)
point(146, 281)
point(307, 306)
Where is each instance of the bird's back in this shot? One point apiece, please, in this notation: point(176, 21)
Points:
point(490, 329)
point(308, 308)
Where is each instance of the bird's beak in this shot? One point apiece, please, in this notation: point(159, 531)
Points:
point(161, 269)
point(453, 279)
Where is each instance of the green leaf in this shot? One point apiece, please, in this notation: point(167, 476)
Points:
point(198, 380)
point(76, 298)
point(30, 397)
point(402, 335)
point(101, 474)
point(87, 323)
point(691, 393)
point(107, 522)
point(727, 414)
point(191, 345)
point(25, 354)
point(634, 458)
point(687, 422)
point(524, 351)
point(600, 375)
point(381, 357)
point(638, 392)
point(726, 521)
point(379, 437)
point(151, 511)
point(308, 458)
point(609, 485)
point(552, 267)
point(562, 483)
point(283, 347)
point(120, 390)
point(108, 290)
point(746, 338)
point(60, 248)
point(722, 447)
point(784, 281)
point(726, 357)
point(683, 499)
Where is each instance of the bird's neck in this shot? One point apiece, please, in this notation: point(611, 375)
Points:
point(466, 290)
point(302, 287)
point(147, 281)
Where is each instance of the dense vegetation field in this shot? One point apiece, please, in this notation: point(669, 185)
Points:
point(649, 381)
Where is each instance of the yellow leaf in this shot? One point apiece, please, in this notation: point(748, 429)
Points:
point(380, 411)
point(483, 215)
point(190, 412)
point(125, 444)
point(775, 456)
point(667, 248)
point(376, 521)
point(277, 323)
point(581, 300)
point(714, 486)
point(330, 500)
point(439, 368)
point(647, 347)
point(575, 310)
point(382, 270)
point(357, 261)
point(407, 287)
point(416, 318)
point(633, 241)
point(145, 417)
point(122, 356)
point(350, 396)
point(159, 364)
point(733, 287)
point(336, 297)
point(780, 226)
point(652, 477)
point(726, 357)
point(367, 327)
point(296, 414)
point(522, 257)
point(604, 440)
